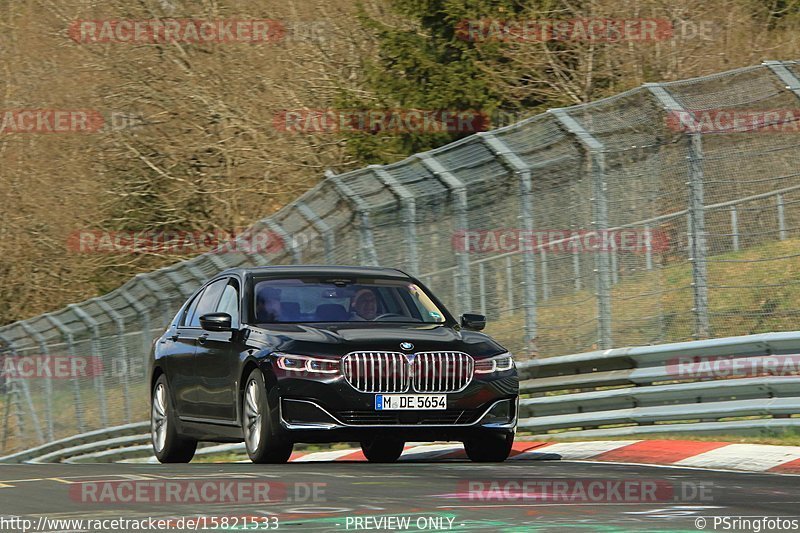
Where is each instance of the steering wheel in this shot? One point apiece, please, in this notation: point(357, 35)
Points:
point(387, 315)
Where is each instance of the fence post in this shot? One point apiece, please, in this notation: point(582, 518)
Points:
point(482, 286)
point(509, 284)
point(545, 279)
point(409, 205)
point(614, 260)
point(792, 84)
point(368, 254)
point(66, 334)
point(781, 217)
point(48, 383)
point(735, 228)
point(459, 192)
point(785, 75)
point(518, 166)
point(99, 378)
point(321, 226)
point(14, 402)
point(10, 391)
point(699, 245)
point(595, 150)
point(697, 220)
point(146, 331)
point(119, 322)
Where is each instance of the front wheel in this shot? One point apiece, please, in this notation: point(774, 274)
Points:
point(262, 443)
point(168, 445)
point(492, 448)
point(382, 450)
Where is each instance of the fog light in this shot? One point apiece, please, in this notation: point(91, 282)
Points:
point(501, 413)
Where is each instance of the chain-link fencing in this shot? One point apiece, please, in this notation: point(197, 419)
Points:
point(666, 213)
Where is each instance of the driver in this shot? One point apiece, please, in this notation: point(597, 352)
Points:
point(268, 305)
point(364, 305)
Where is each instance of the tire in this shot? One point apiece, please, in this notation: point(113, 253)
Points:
point(492, 448)
point(169, 446)
point(382, 450)
point(264, 445)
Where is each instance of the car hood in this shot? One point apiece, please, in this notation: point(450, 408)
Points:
point(340, 339)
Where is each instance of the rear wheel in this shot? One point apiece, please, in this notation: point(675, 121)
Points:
point(382, 450)
point(263, 444)
point(168, 445)
point(491, 448)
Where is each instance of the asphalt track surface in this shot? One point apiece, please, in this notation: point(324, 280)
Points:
point(427, 490)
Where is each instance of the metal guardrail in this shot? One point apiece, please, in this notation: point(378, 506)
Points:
point(120, 443)
point(59, 449)
point(630, 391)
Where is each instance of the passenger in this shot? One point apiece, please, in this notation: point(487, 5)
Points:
point(268, 305)
point(364, 305)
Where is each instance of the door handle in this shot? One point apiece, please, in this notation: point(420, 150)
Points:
point(202, 338)
point(174, 337)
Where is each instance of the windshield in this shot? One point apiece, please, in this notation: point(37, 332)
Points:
point(343, 300)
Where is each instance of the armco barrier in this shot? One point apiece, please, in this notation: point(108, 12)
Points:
point(55, 450)
point(630, 391)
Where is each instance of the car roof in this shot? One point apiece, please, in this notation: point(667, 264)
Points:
point(318, 270)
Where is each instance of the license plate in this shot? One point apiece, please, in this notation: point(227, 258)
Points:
point(410, 402)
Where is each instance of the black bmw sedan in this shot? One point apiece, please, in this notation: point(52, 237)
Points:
point(317, 354)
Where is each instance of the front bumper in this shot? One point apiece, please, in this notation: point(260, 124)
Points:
point(330, 410)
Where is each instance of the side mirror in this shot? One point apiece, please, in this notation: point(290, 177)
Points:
point(216, 322)
point(472, 321)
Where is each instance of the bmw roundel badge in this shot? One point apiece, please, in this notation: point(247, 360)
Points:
point(406, 346)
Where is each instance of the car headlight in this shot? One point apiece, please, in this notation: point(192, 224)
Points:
point(498, 363)
point(305, 363)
